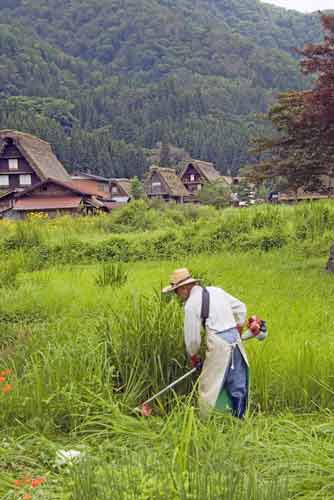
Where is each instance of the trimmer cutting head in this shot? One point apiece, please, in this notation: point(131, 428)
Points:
point(145, 409)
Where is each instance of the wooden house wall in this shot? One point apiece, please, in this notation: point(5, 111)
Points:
point(190, 170)
point(156, 190)
point(6, 202)
point(11, 152)
point(192, 185)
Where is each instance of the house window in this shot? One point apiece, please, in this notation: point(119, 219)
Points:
point(192, 178)
point(4, 180)
point(199, 187)
point(156, 187)
point(114, 190)
point(13, 164)
point(25, 180)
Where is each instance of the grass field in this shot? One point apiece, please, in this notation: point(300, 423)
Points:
point(84, 353)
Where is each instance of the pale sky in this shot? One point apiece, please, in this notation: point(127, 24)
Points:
point(303, 5)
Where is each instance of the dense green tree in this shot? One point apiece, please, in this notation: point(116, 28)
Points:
point(303, 148)
point(137, 189)
point(217, 194)
point(165, 154)
point(201, 70)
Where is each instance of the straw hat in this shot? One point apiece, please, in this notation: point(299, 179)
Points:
point(180, 277)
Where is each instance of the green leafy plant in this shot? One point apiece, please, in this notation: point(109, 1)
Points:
point(111, 274)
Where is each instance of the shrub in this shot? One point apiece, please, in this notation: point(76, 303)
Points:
point(27, 234)
point(137, 216)
point(272, 240)
point(115, 248)
point(9, 271)
point(166, 245)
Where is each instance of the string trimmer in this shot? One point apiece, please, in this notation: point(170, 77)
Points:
point(145, 408)
point(257, 328)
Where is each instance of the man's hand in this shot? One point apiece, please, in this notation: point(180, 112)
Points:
point(196, 362)
point(240, 328)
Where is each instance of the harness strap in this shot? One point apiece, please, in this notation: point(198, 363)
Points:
point(205, 310)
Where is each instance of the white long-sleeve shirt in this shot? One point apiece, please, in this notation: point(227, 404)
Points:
point(225, 312)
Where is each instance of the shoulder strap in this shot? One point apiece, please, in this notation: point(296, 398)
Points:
point(205, 311)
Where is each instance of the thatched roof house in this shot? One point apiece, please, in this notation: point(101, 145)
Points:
point(164, 183)
point(26, 160)
point(196, 173)
point(34, 180)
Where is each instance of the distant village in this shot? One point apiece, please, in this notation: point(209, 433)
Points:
point(32, 179)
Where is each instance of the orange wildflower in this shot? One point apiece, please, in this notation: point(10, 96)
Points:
point(5, 373)
point(37, 482)
point(26, 496)
point(2, 379)
point(17, 482)
point(7, 388)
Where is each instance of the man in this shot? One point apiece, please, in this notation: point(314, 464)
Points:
point(224, 378)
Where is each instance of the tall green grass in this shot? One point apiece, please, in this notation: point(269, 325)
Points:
point(83, 356)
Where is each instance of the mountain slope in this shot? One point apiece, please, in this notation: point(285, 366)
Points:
point(198, 70)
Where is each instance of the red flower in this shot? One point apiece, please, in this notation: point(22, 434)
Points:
point(2, 379)
point(7, 388)
point(26, 496)
point(17, 482)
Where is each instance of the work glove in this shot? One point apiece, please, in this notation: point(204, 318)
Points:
point(196, 362)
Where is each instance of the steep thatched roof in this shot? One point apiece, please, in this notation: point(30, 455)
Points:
point(227, 179)
point(171, 180)
point(38, 154)
point(124, 184)
point(204, 168)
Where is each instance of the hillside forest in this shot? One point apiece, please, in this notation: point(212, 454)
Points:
point(105, 80)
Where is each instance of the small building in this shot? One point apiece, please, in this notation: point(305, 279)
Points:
point(120, 190)
point(93, 184)
point(25, 161)
point(163, 183)
point(196, 173)
point(291, 197)
point(51, 197)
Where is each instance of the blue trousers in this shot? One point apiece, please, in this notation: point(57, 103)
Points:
point(236, 377)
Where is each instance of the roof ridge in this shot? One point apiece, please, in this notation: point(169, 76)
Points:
point(4, 132)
